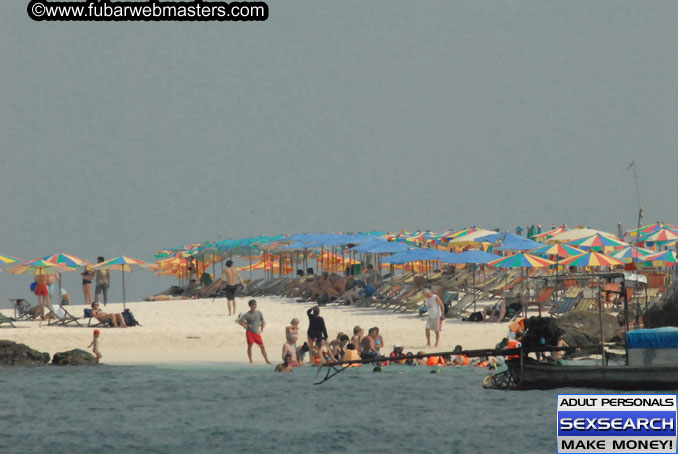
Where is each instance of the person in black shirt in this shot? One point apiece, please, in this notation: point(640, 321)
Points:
point(316, 326)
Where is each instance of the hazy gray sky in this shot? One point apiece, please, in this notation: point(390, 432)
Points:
point(126, 138)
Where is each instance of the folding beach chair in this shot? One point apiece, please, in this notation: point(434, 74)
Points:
point(5, 319)
point(64, 320)
point(87, 313)
point(22, 309)
point(542, 298)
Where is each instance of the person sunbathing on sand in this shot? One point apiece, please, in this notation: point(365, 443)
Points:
point(169, 298)
point(101, 316)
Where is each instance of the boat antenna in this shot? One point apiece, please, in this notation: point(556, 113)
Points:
point(640, 206)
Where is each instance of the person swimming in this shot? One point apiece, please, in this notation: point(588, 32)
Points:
point(286, 365)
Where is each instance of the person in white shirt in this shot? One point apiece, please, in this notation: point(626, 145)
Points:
point(436, 315)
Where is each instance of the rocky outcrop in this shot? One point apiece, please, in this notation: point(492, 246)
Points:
point(665, 312)
point(583, 328)
point(13, 354)
point(75, 357)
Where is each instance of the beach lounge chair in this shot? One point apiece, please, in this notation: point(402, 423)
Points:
point(64, 320)
point(4, 319)
point(22, 309)
point(458, 308)
point(87, 313)
point(542, 298)
point(565, 305)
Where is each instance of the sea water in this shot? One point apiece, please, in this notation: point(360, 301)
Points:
point(239, 408)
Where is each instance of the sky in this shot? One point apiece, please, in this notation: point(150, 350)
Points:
point(128, 138)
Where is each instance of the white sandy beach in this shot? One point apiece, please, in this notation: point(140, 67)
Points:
point(200, 331)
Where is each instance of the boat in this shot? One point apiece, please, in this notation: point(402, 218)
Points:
point(652, 364)
point(539, 375)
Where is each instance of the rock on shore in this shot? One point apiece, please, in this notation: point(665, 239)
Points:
point(13, 354)
point(583, 328)
point(74, 357)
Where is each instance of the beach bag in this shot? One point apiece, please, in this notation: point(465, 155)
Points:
point(323, 299)
point(476, 317)
point(129, 318)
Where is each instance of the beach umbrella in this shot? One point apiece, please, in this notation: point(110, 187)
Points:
point(577, 234)
point(560, 250)
point(469, 237)
point(38, 266)
point(66, 260)
point(122, 263)
point(592, 258)
point(663, 236)
point(631, 254)
point(546, 235)
point(380, 247)
point(522, 260)
point(647, 229)
point(517, 243)
point(665, 258)
point(8, 259)
point(598, 242)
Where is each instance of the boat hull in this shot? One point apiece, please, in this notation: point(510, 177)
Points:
point(546, 376)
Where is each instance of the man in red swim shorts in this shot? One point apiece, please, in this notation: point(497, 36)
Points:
point(42, 292)
point(253, 322)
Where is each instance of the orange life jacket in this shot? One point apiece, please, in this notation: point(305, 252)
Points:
point(513, 344)
point(351, 355)
point(434, 361)
point(461, 360)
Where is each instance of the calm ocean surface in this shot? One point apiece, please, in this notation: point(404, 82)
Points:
point(237, 408)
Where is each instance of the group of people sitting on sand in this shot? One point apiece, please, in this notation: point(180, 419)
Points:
point(321, 350)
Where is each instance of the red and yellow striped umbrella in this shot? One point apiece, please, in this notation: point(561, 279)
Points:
point(592, 258)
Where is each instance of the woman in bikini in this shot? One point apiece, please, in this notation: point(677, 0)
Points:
point(117, 319)
point(87, 278)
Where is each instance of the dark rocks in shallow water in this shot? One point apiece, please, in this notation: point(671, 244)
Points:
point(13, 354)
point(75, 357)
point(583, 328)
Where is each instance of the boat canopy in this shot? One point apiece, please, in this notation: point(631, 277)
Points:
point(657, 338)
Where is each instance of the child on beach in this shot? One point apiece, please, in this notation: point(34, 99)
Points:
point(95, 345)
point(292, 331)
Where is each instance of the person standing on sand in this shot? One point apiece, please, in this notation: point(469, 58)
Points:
point(316, 326)
point(103, 278)
point(231, 276)
point(436, 315)
point(42, 292)
point(87, 278)
point(254, 324)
